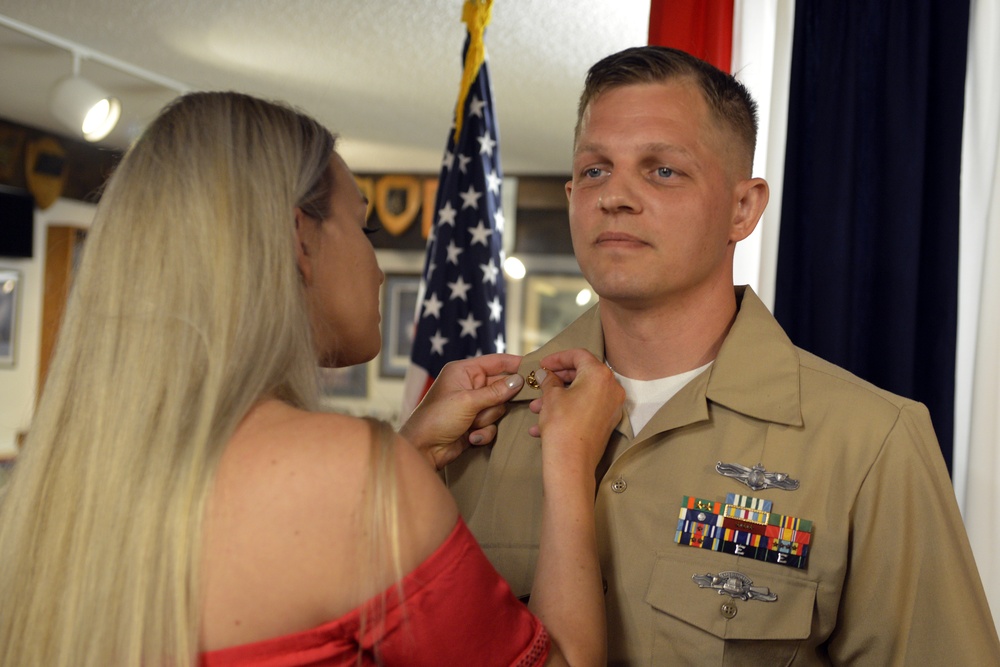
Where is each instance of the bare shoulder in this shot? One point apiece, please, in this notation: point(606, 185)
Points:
point(325, 460)
point(286, 523)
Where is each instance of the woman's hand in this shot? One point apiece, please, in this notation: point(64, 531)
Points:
point(462, 406)
point(581, 404)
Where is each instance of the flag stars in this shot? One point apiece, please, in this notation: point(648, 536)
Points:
point(481, 234)
point(470, 198)
point(453, 252)
point(465, 317)
point(437, 343)
point(432, 306)
point(470, 325)
point(446, 214)
point(493, 182)
point(460, 289)
point(486, 144)
point(496, 310)
point(476, 106)
point(490, 272)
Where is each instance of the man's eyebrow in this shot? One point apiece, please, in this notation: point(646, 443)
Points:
point(588, 148)
point(652, 147)
point(661, 147)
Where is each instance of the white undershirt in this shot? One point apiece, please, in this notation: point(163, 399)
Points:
point(644, 397)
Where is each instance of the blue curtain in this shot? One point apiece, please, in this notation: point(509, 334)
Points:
point(868, 251)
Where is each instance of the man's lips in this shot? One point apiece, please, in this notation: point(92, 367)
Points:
point(618, 238)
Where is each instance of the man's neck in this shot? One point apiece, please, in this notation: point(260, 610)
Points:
point(673, 337)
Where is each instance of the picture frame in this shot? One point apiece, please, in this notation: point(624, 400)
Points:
point(399, 304)
point(348, 382)
point(551, 303)
point(10, 281)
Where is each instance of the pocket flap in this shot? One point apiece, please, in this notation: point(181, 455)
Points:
point(673, 591)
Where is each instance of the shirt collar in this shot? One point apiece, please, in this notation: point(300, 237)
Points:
point(585, 332)
point(756, 372)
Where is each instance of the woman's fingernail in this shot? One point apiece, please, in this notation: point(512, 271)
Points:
point(476, 440)
point(514, 381)
point(540, 375)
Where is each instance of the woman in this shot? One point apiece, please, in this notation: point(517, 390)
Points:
point(179, 499)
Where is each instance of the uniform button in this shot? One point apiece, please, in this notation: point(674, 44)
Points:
point(619, 485)
point(728, 609)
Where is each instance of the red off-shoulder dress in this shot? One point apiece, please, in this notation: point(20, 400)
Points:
point(456, 610)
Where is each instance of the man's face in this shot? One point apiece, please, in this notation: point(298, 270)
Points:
point(653, 195)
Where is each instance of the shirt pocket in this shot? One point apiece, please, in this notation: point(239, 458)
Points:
point(694, 625)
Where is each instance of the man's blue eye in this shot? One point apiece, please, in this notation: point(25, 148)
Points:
point(665, 172)
point(593, 172)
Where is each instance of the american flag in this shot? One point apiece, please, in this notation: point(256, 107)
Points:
point(460, 309)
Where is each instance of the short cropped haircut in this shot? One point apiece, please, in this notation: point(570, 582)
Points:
point(728, 100)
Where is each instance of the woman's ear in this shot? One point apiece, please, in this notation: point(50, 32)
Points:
point(751, 198)
point(304, 235)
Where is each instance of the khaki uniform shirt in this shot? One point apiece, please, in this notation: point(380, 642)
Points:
point(889, 577)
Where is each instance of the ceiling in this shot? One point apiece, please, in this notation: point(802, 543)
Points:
point(384, 74)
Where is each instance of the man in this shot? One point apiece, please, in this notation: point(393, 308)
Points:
point(756, 505)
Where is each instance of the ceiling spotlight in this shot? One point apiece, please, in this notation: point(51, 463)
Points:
point(83, 106)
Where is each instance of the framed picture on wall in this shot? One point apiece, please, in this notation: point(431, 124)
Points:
point(350, 382)
point(399, 303)
point(552, 302)
point(9, 291)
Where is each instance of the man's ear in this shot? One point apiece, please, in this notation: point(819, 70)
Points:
point(303, 240)
point(751, 198)
point(569, 189)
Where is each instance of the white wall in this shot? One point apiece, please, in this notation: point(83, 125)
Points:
point(18, 384)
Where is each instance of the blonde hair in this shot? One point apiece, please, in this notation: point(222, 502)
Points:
point(187, 308)
point(381, 511)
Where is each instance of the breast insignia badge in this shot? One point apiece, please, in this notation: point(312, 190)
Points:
point(735, 585)
point(757, 478)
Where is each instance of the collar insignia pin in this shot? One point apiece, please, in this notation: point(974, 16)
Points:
point(532, 381)
point(757, 478)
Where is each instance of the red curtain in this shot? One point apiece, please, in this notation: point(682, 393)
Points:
point(703, 28)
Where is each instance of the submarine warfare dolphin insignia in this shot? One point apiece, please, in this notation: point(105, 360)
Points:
point(757, 478)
